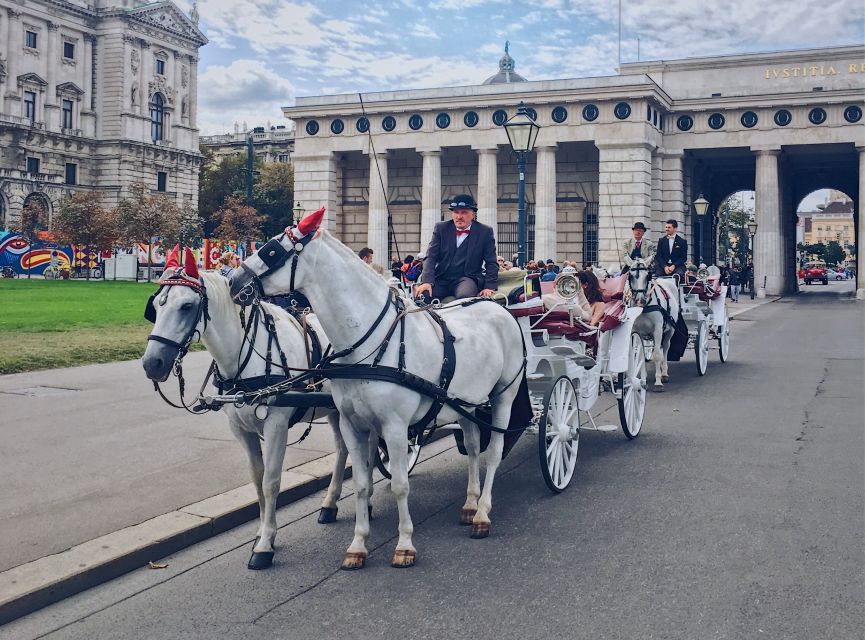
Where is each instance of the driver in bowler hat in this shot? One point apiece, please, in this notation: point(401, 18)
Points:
point(461, 258)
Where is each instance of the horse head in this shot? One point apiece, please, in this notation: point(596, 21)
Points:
point(176, 309)
point(638, 281)
point(262, 273)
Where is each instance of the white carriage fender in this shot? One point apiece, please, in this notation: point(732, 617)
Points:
point(719, 308)
point(620, 343)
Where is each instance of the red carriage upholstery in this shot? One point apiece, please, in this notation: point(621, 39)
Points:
point(614, 313)
point(706, 290)
point(614, 288)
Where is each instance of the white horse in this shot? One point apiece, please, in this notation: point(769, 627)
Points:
point(659, 298)
point(489, 365)
point(181, 310)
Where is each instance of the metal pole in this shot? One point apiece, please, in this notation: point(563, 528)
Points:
point(751, 271)
point(699, 240)
point(249, 158)
point(521, 214)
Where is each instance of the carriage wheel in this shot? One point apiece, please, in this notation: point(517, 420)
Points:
point(701, 347)
point(382, 457)
point(559, 434)
point(632, 404)
point(724, 342)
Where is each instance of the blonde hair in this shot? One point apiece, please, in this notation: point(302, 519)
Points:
point(226, 257)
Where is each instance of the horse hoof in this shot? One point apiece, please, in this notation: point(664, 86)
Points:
point(659, 389)
point(327, 515)
point(353, 561)
point(467, 516)
point(403, 558)
point(665, 378)
point(480, 530)
point(260, 560)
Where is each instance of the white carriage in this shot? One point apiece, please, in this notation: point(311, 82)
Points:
point(569, 364)
point(705, 314)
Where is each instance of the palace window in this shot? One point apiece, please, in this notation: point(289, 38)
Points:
point(160, 67)
point(67, 114)
point(32, 165)
point(69, 50)
point(71, 173)
point(30, 39)
point(157, 117)
point(161, 181)
point(283, 157)
point(30, 105)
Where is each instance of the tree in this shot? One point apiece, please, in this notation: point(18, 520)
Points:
point(817, 250)
point(274, 196)
point(735, 241)
point(238, 222)
point(190, 227)
point(144, 216)
point(217, 182)
point(834, 253)
point(82, 220)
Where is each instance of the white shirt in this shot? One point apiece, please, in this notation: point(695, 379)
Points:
point(461, 237)
point(671, 241)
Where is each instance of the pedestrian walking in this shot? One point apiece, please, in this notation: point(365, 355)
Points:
point(735, 278)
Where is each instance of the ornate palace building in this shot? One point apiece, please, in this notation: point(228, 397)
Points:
point(96, 95)
point(271, 144)
point(639, 146)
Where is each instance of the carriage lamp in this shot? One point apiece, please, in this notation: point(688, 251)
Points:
point(701, 205)
point(297, 213)
point(522, 133)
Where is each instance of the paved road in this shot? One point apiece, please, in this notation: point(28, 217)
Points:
point(91, 450)
point(736, 514)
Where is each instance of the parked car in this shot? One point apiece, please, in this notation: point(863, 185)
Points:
point(816, 271)
point(836, 275)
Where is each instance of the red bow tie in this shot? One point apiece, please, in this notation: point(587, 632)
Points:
point(462, 232)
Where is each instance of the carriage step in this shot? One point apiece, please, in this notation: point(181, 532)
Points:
point(586, 362)
point(535, 376)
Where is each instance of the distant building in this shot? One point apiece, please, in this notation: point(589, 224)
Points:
point(96, 95)
point(275, 144)
point(832, 221)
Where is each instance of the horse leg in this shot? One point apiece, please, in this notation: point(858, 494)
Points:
point(501, 417)
point(659, 356)
point(329, 508)
point(472, 443)
point(252, 446)
point(275, 437)
point(358, 448)
point(665, 373)
point(396, 438)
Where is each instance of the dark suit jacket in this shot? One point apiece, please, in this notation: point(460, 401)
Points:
point(679, 256)
point(481, 264)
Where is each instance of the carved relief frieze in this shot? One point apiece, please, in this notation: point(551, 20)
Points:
point(159, 85)
point(184, 76)
point(134, 60)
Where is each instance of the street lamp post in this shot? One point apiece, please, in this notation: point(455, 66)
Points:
point(701, 205)
point(752, 231)
point(297, 213)
point(522, 133)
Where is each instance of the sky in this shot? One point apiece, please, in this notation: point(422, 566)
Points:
point(264, 53)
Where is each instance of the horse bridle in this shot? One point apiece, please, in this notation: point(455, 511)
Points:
point(176, 278)
point(274, 255)
point(639, 268)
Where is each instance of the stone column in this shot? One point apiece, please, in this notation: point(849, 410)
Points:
point(657, 226)
point(768, 243)
point(87, 65)
point(624, 194)
point(13, 24)
point(52, 60)
point(376, 235)
point(315, 185)
point(860, 238)
point(545, 203)
point(431, 195)
point(488, 188)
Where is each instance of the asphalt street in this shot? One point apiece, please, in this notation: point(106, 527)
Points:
point(737, 513)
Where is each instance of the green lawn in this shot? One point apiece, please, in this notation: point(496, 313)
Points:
point(46, 323)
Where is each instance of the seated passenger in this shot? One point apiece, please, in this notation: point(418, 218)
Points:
point(582, 308)
point(592, 290)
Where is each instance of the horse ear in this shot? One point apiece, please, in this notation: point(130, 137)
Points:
point(189, 263)
point(172, 260)
point(310, 222)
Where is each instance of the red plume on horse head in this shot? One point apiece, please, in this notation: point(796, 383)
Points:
point(172, 261)
point(189, 263)
point(310, 222)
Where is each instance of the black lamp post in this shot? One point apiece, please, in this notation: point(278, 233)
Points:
point(701, 205)
point(297, 213)
point(522, 133)
point(752, 231)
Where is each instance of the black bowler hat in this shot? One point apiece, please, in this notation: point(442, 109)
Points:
point(638, 225)
point(463, 201)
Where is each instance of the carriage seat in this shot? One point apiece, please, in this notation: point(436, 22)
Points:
point(614, 288)
point(706, 290)
point(614, 313)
